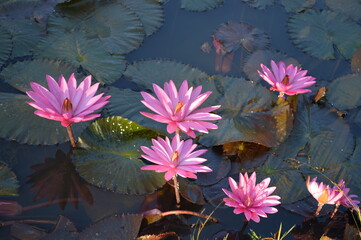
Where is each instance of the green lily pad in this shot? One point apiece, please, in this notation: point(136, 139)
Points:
point(20, 74)
point(253, 62)
point(19, 123)
point(320, 136)
point(8, 183)
point(345, 92)
point(317, 33)
point(200, 5)
point(116, 227)
point(150, 13)
point(297, 5)
point(249, 113)
point(110, 156)
point(77, 50)
point(5, 45)
point(350, 8)
point(259, 4)
point(145, 73)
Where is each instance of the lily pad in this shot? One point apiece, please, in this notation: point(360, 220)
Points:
point(145, 73)
point(259, 4)
point(116, 227)
point(8, 183)
point(77, 50)
point(20, 74)
point(254, 61)
point(356, 62)
point(350, 8)
point(317, 33)
point(345, 92)
point(110, 156)
point(28, 127)
point(297, 5)
point(200, 5)
point(234, 35)
point(250, 113)
point(5, 45)
point(149, 12)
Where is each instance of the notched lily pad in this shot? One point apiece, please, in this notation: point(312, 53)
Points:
point(8, 183)
point(297, 5)
point(317, 33)
point(200, 5)
point(110, 154)
point(259, 4)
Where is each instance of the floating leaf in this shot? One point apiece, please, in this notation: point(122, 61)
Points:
point(145, 73)
point(110, 156)
point(5, 45)
point(249, 113)
point(356, 62)
point(149, 12)
point(200, 5)
point(350, 8)
point(116, 227)
point(345, 92)
point(28, 127)
point(214, 194)
point(64, 229)
point(191, 192)
point(254, 61)
point(259, 4)
point(20, 74)
point(317, 33)
point(307, 207)
point(297, 5)
point(233, 35)
point(26, 231)
point(8, 183)
point(76, 49)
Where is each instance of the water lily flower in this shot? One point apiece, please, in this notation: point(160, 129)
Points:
point(323, 193)
point(346, 200)
point(252, 199)
point(288, 80)
point(178, 108)
point(65, 102)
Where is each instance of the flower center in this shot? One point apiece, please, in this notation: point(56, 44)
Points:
point(178, 107)
point(324, 197)
point(67, 106)
point(248, 201)
point(175, 156)
point(286, 80)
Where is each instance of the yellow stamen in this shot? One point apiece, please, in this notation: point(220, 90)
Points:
point(324, 197)
point(67, 106)
point(286, 80)
point(175, 156)
point(178, 107)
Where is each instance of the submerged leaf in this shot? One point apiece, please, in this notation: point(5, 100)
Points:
point(8, 182)
point(110, 154)
point(200, 5)
point(318, 32)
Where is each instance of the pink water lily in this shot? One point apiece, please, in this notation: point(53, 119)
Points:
point(179, 108)
point(252, 199)
point(65, 102)
point(288, 80)
point(346, 200)
point(175, 158)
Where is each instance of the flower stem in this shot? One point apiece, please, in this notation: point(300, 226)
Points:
point(71, 136)
point(245, 224)
point(50, 203)
point(176, 189)
point(320, 205)
point(177, 212)
point(335, 210)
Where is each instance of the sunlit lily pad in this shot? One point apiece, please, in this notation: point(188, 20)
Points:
point(76, 49)
point(19, 123)
point(345, 92)
point(8, 183)
point(350, 8)
point(149, 12)
point(145, 73)
point(110, 156)
point(116, 227)
point(5, 45)
point(234, 35)
point(20, 74)
point(249, 113)
point(254, 61)
point(259, 4)
point(297, 5)
point(200, 5)
point(317, 33)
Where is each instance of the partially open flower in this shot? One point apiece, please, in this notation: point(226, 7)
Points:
point(288, 80)
point(346, 200)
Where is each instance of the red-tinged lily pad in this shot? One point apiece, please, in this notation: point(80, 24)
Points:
point(200, 5)
point(109, 156)
point(233, 35)
point(356, 62)
point(297, 5)
point(318, 32)
point(350, 8)
point(8, 182)
point(250, 113)
point(345, 92)
point(259, 4)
